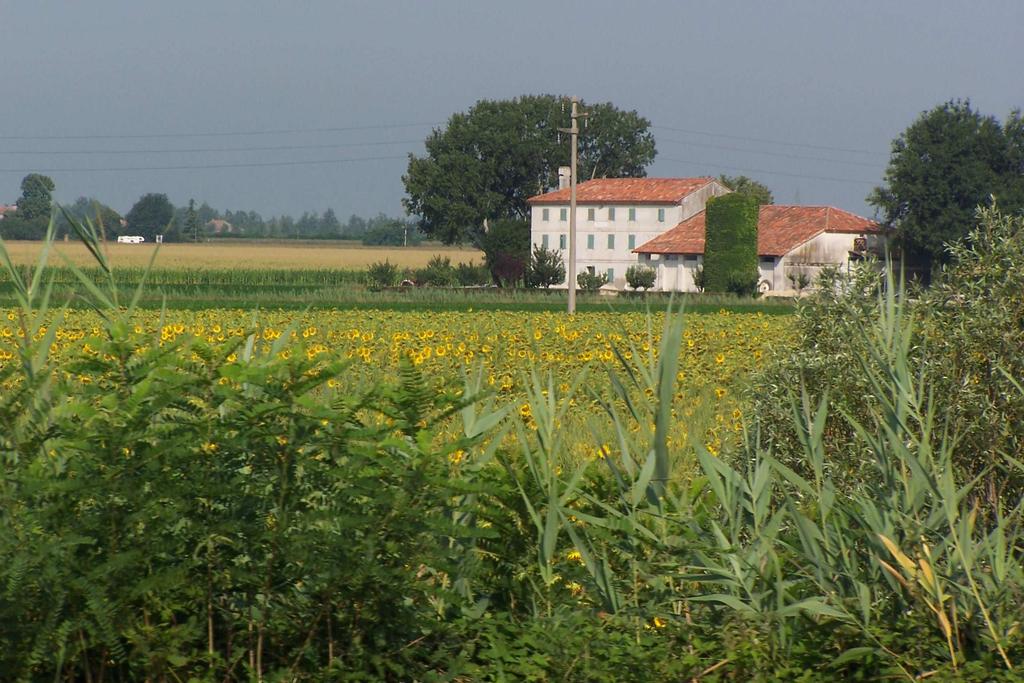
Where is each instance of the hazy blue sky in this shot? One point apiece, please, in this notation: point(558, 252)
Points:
point(804, 95)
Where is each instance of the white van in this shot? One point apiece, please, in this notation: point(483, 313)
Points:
point(130, 239)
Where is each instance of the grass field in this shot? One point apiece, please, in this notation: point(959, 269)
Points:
point(271, 255)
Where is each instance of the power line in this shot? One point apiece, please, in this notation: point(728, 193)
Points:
point(868, 164)
point(270, 148)
point(770, 142)
point(315, 162)
point(278, 131)
point(695, 162)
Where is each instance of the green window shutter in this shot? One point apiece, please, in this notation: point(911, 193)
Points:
point(611, 213)
point(544, 214)
point(590, 214)
point(632, 241)
point(611, 241)
point(590, 241)
point(661, 215)
point(561, 241)
point(563, 214)
point(632, 213)
point(544, 241)
point(611, 275)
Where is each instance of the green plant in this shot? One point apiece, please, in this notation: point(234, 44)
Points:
point(380, 275)
point(591, 282)
point(471, 275)
point(439, 272)
point(546, 268)
point(640, 276)
point(730, 248)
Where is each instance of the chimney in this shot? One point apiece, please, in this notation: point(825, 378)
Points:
point(564, 172)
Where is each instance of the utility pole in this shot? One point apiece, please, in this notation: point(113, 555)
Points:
point(574, 132)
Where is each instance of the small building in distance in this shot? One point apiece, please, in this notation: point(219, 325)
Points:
point(6, 209)
point(219, 226)
point(793, 244)
point(614, 216)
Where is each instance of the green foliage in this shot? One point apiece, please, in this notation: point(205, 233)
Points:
point(506, 247)
point(641, 277)
point(485, 163)
point(103, 217)
point(472, 275)
point(699, 281)
point(381, 274)
point(438, 272)
point(950, 160)
point(35, 202)
point(29, 222)
point(591, 282)
point(152, 215)
point(191, 222)
point(730, 245)
point(741, 184)
point(392, 233)
point(546, 267)
point(183, 516)
point(968, 345)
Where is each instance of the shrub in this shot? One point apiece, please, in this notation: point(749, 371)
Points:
point(381, 274)
point(591, 282)
point(471, 275)
point(730, 245)
point(506, 247)
point(968, 348)
point(699, 281)
point(438, 272)
point(641, 277)
point(546, 268)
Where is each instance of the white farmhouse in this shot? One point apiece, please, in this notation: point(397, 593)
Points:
point(791, 241)
point(614, 216)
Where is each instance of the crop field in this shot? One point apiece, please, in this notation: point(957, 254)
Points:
point(297, 493)
point(282, 255)
point(718, 351)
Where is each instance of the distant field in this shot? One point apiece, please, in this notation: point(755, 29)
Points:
point(277, 255)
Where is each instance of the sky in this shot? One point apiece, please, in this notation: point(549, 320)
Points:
point(302, 106)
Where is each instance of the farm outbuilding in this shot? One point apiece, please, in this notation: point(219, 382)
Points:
point(793, 243)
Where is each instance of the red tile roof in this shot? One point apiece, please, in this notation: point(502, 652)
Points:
point(626, 191)
point(780, 230)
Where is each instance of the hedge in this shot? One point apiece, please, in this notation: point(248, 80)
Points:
point(730, 244)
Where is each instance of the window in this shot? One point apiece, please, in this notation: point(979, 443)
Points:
point(611, 213)
point(590, 269)
point(632, 241)
point(767, 260)
point(545, 214)
point(671, 257)
point(544, 239)
point(632, 213)
point(590, 241)
point(690, 260)
point(590, 214)
point(661, 215)
point(611, 241)
point(563, 214)
point(645, 257)
point(611, 275)
point(561, 241)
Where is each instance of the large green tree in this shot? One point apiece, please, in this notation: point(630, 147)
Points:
point(98, 213)
point(949, 161)
point(748, 186)
point(152, 215)
point(485, 163)
point(36, 197)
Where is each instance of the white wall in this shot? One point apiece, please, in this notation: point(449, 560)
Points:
point(620, 257)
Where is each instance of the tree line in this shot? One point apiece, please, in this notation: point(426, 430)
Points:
point(154, 214)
